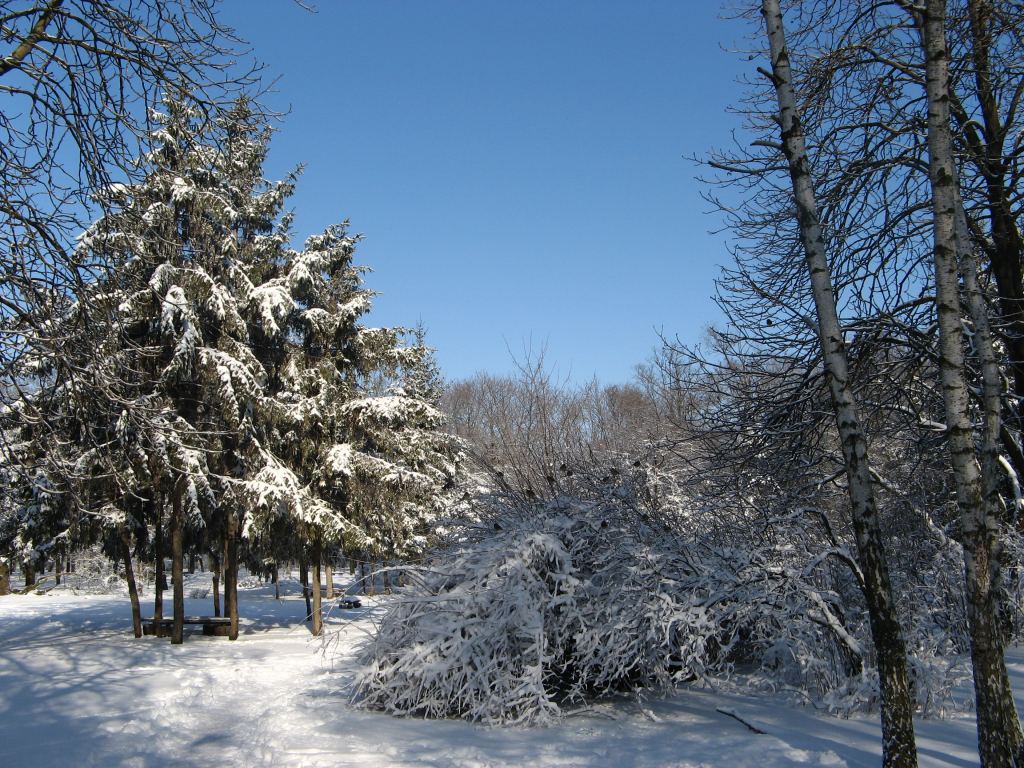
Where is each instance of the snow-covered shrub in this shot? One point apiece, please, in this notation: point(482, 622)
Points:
point(785, 620)
point(542, 605)
point(934, 617)
point(95, 574)
point(576, 601)
point(572, 600)
point(481, 638)
point(250, 582)
point(805, 625)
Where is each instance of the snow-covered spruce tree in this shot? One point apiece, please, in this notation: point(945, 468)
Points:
point(9, 527)
point(222, 379)
point(403, 427)
point(43, 517)
point(176, 382)
point(43, 448)
point(345, 464)
point(303, 321)
point(440, 455)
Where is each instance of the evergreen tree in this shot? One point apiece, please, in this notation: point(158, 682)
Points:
point(228, 379)
point(175, 385)
point(399, 500)
point(352, 461)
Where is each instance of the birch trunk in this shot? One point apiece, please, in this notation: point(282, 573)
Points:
point(329, 578)
point(1007, 245)
point(898, 743)
point(988, 360)
point(1000, 739)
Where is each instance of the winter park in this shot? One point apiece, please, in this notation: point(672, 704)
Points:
point(593, 383)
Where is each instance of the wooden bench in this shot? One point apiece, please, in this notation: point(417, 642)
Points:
point(212, 625)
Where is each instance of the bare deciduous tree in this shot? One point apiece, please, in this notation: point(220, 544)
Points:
point(898, 743)
point(1000, 739)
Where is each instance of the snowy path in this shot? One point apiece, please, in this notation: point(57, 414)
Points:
point(77, 690)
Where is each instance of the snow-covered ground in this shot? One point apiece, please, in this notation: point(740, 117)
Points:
point(76, 689)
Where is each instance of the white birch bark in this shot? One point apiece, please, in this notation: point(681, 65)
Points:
point(1000, 739)
point(899, 747)
point(988, 360)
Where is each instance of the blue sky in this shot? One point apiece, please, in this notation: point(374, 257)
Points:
point(518, 168)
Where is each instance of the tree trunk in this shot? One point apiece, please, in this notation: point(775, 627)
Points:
point(1000, 738)
point(386, 576)
point(277, 584)
point(304, 580)
point(1007, 247)
point(318, 621)
point(5, 577)
point(988, 362)
point(329, 577)
point(231, 575)
point(177, 563)
point(133, 592)
point(898, 742)
point(58, 567)
point(192, 562)
point(28, 570)
point(160, 583)
point(215, 571)
point(225, 575)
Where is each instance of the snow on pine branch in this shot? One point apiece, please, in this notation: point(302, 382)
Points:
point(273, 302)
point(392, 410)
point(277, 492)
point(344, 462)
